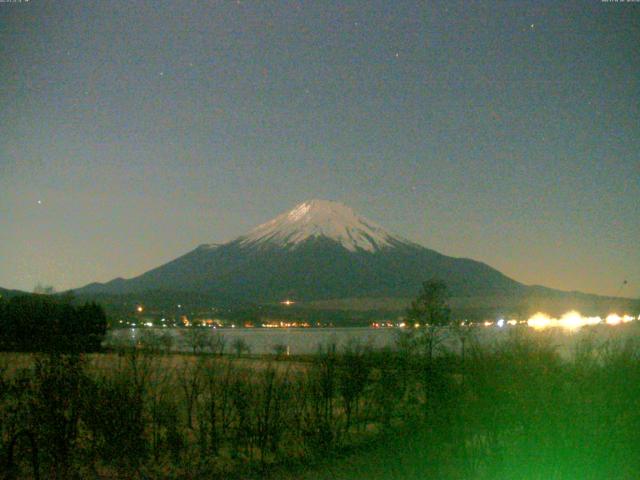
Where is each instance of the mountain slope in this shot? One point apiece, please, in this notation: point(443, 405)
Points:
point(319, 250)
point(6, 293)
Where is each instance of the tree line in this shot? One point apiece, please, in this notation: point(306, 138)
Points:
point(516, 410)
point(509, 410)
point(33, 323)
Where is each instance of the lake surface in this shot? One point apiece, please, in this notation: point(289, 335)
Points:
point(308, 340)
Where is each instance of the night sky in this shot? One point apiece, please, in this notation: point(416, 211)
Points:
point(508, 132)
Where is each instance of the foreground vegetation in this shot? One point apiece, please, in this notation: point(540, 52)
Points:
point(513, 411)
point(46, 323)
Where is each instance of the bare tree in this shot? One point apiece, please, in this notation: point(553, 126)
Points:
point(197, 339)
point(240, 346)
point(189, 375)
point(430, 310)
point(352, 379)
point(215, 410)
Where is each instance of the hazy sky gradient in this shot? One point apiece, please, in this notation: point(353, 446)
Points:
point(508, 132)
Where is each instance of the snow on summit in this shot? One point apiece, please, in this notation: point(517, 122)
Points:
point(322, 218)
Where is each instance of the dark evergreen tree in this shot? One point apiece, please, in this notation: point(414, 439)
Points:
point(46, 323)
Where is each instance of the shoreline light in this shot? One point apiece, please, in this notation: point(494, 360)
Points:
point(573, 320)
point(613, 319)
point(540, 321)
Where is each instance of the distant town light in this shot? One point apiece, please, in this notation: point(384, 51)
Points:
point(539, 321)
point(613, 319)
point(571, 320)
point(574, 320)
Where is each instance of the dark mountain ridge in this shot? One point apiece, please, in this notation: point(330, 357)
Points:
point(317, 269)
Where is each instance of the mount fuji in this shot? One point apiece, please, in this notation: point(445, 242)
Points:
point(320, 250)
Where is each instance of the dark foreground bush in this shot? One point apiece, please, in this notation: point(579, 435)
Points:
point(43, 323)
point(514, 411)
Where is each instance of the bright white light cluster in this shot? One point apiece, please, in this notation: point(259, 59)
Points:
point(574, 320)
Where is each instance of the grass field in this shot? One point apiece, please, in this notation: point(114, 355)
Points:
point(515, 410)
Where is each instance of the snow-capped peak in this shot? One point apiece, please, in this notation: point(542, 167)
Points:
point(322, 218)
